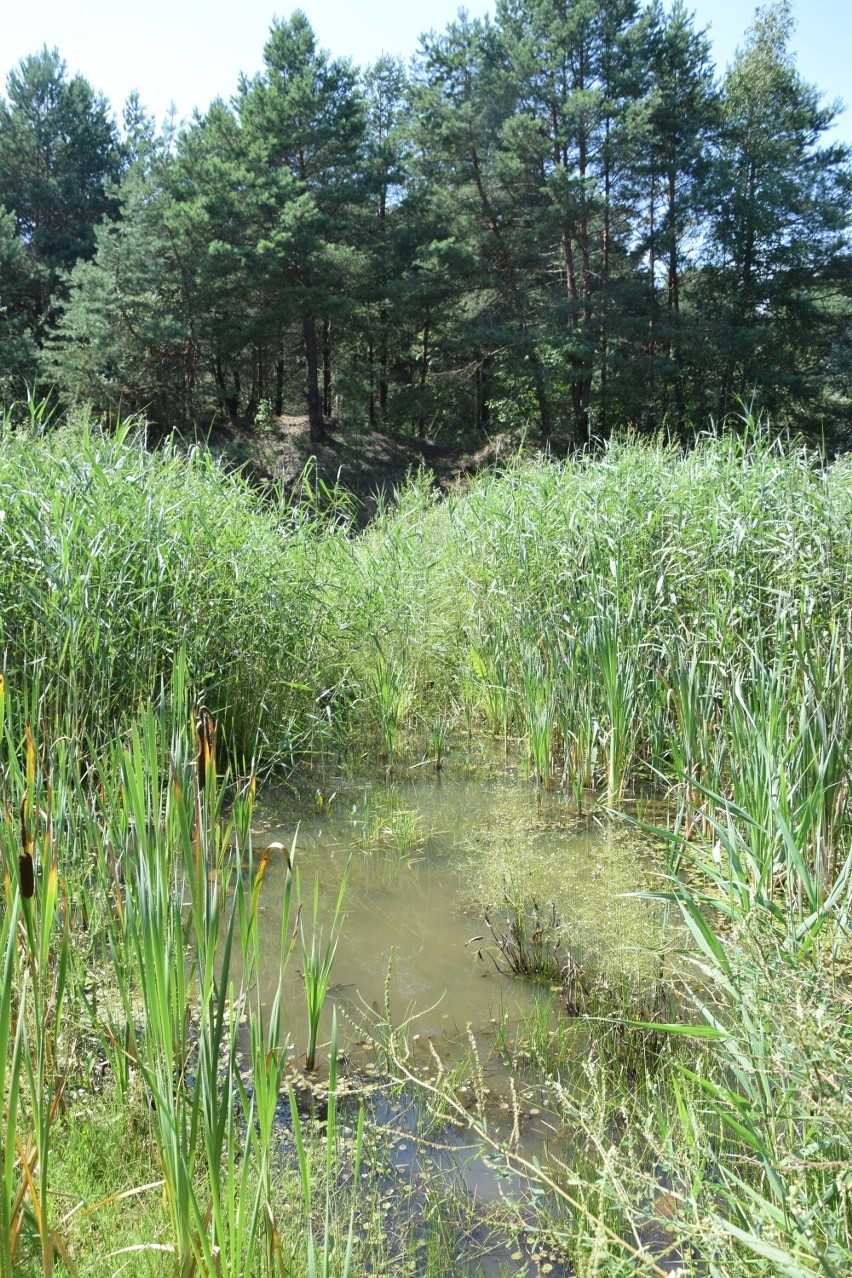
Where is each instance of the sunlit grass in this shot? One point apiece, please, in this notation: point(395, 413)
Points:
point(638, 619)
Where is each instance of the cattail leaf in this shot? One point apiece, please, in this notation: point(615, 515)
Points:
point(31, 762)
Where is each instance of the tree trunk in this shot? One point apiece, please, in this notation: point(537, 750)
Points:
point(383, 362)
point(483, 407)
point(674, 280)
point(603, 334)
point(650, 411)
point(326, 367)
point(579, 393)
point(424, 372)
point(230, 398)
point(255, 393)
point(581, 389)
point(315, 419)
point(675, 352)
point(515, 293)
point(371, 364)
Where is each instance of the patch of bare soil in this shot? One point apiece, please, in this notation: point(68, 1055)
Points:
point(366, 463)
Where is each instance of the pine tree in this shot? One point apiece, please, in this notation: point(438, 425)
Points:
point(779, 271)
point(673, 125)
point(466, 108)
point(59, 155)
point(126, 337)
point(574, 67)
point(303, 125)
point(19, 353)
point(388, 159)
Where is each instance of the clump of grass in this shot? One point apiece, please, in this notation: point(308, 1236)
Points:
point(532, 942)
point(541, 1041)
point(615, 1004)
point(491, 681)
point(391, 825)
point(388, 694)
point(438, 735)
point(539, 702)
point(321, 1254)
point(113, 556)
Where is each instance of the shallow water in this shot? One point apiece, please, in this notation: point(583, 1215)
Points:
point(414, 940)
point(428, 857)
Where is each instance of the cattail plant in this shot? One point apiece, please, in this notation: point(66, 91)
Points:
point(35, 951)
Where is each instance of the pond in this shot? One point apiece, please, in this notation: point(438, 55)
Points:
point(429, 859)
point(438, 867)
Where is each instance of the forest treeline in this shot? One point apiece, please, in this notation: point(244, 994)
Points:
point(561, 219)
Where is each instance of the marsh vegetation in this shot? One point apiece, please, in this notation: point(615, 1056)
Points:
point(642, 654)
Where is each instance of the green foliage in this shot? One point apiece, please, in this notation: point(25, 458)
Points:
point(264, 418)
point(557, 221)
point(320, 1256)
point(773, 271)
point(59, 156)
point(390, 824)
point(644, 615)
point(113, 558)
point(317, 965)
point(17, 340)
point(302, 124)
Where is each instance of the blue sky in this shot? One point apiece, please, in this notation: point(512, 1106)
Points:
point(190, 51)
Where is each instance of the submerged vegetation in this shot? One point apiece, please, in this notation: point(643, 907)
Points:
point(646, 621)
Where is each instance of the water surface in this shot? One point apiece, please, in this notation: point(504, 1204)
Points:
point(429, 859)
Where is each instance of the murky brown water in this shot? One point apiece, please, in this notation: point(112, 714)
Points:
point(427, 857)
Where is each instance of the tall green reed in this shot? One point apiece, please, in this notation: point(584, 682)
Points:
point(764, 1123)
point(14, 1184)
point(616, 666)
point(322, 1254)
point(159, 887)
point(539, 708)
point(189, 905)
point(626, 567)
point(37, 960)
point(268, 1056)
point(114, 556)
point(317, 964)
